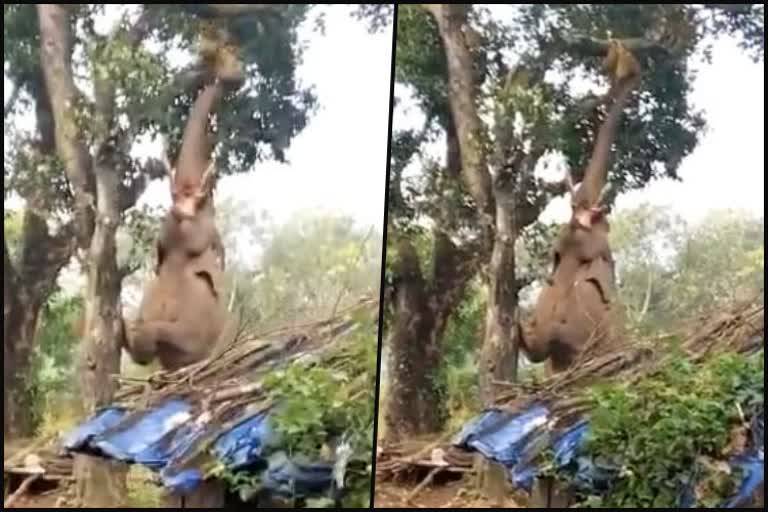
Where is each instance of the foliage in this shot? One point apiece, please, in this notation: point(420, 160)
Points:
point(311, 265)
point(670, 269)
point(148, 95)
point(465, 327)
point(721, 261)
point(52, 373)
point(57, 342)
point(332, 399)
point(12, 228)
point(661, 433)
point(379, 16)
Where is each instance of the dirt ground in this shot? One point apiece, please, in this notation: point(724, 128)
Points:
point(449, 495)
point(37, 501)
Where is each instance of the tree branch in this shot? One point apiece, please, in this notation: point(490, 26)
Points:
point(56, 63)
point(593, 46)
point(451, 19)
point(232, 10)
point(126, 270)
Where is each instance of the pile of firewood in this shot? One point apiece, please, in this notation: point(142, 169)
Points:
point(233, 374)
point(416, 457)
point(34, 463)
point(739, 329)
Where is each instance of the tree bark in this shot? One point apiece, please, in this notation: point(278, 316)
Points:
point(412, 406)
point(451, 18)
point(499, 353)
point(26, 287)
point(421, 311)
point(56, 64)
point(496, 201)
point(97, 188)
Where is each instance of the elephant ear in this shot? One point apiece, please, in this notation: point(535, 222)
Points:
point(207, 267)
point(600, 273)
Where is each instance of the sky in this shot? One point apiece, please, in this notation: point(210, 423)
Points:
point(725, 170)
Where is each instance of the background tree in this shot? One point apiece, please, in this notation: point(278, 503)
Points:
point(500, 96)
point(671, 269)
point(311, 266)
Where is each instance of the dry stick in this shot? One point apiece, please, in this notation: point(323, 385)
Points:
point(362, 303)
point(21, 454)
point(20, 491)
point(427, 480)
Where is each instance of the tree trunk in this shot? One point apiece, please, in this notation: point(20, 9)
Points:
point(498, 356)
point(18, 346)
point(421, 311)
point(413, 405)
point(8, 286)
point(100, 484)
point(26, 287)
point(451, 19)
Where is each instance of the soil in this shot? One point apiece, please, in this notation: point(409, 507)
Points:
point(456, 494)
point(43, 501)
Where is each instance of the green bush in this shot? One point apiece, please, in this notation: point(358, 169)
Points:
point(334, 397)
point(52, 372)
point(670, 430)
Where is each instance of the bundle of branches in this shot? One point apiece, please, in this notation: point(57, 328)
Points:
point(34, 463)
point(232, 376)
point(38, 460)
point(739, 330)
point(414, 457)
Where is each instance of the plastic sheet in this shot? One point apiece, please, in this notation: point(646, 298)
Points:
point(162, 438)
point(286, 477)
point(138, 433)
point(245, 444)
point(79, 439)
point(502, 436)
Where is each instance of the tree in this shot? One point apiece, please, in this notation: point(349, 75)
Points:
point(501, 123)
point(311, 267)
point(721, 261)
point(671, 270)
point(135, 91)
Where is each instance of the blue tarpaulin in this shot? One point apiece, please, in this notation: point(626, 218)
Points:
point(163, 436)
point(513, 439)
